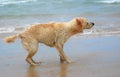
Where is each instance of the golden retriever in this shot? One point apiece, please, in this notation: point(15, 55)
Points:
point(53, 34)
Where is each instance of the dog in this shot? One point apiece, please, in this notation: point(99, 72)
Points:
point(53, 34)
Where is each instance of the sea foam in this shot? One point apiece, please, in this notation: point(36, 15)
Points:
point(11, 29)
point(109, 1)
point(7, 2)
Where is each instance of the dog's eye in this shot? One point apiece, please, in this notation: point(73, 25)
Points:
point(86, 23)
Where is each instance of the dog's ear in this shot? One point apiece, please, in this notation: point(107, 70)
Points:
point(80, 20)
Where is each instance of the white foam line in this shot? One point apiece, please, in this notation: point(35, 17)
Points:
point(15, 2)
point(103, 33)
point(12, 29)
point(109, 1)
point(6, 30)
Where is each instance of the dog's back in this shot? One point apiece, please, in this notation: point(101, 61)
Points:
point(43, 33)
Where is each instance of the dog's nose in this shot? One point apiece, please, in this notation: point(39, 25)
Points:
point(93, 23)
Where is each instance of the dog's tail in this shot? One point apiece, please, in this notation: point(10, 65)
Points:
point(11, 39)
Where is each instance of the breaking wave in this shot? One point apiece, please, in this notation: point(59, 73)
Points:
point(11, 29)
point(96, 33)
point(7, 2)
point(86, 33)
point(109, 1)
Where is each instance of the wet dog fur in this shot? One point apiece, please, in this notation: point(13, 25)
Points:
point(53, 34)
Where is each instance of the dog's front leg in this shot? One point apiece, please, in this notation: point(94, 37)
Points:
point(61, 60)
point(63, 57)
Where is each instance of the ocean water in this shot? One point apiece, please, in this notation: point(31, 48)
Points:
point(16, 15)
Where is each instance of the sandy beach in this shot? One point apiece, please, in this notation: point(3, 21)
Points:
point(91, 57)
point(95, 53)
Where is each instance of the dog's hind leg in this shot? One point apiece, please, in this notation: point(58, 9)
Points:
point(31, 46)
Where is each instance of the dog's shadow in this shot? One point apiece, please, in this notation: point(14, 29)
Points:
point(33, 71)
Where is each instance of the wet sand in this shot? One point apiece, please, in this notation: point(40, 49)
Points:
point(91, 57)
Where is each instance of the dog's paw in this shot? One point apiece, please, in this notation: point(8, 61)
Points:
point(68, 61)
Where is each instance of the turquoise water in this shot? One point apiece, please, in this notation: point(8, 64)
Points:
point(39, 7)
point(17, 14)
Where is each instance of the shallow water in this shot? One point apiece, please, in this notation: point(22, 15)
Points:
point(15, 15)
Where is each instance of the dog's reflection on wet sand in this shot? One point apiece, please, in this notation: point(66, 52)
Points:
point(37, 71)
point(32, 72)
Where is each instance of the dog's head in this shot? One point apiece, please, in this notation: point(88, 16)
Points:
point(77, 25)
point(84, 23)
